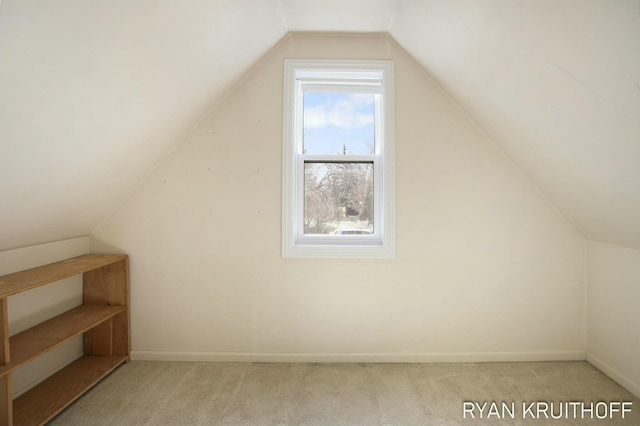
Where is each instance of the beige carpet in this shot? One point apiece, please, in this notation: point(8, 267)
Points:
point(176, 393)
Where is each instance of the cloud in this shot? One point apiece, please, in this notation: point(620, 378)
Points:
point(346, 111)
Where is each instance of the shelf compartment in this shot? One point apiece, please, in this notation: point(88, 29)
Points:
point(25, 280)
point(43, 402)
point(50, 334)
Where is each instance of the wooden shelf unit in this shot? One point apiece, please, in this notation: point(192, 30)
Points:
point(103, 320)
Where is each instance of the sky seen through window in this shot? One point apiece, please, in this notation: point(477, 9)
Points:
point(339, 123)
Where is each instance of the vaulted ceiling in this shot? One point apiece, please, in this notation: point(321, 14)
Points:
point(94, 94)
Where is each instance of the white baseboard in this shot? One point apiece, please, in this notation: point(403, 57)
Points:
point(573, 355)
point(614, 375)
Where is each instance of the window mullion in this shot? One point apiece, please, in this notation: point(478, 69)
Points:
point(307, 158)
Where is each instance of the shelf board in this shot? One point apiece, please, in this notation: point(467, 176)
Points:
point(21, 281)
point(50, 397)
point(50, 334)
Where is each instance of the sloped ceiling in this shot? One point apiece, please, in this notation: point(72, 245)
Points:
point(94, 94)
point(556, 84)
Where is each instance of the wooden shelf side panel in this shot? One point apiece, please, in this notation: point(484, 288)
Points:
point(109, 285)
point(98, 341)
point(5, 355)
point(120, 334)
point(6, 405)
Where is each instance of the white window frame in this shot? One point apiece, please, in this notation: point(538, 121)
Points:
point(338, 75)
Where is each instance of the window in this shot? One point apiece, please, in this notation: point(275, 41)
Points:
point(338, 165)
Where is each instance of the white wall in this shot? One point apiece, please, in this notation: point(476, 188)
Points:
point(613, 340)
point(486, 268)
point(35, 306)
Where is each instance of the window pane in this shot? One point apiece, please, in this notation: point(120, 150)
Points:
point(338, 198)
point(338, 123)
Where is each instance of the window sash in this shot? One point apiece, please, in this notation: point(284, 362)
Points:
point(378, 214)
